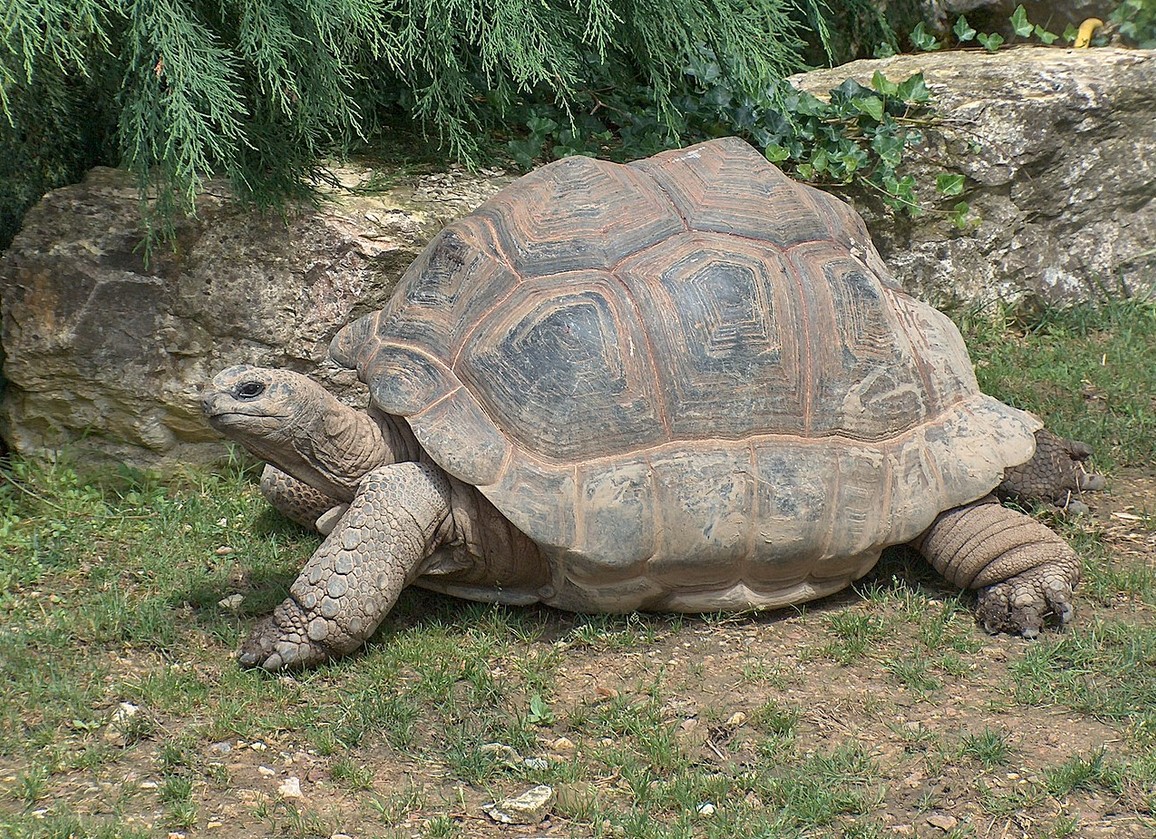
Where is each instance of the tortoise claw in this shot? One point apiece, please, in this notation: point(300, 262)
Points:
point(279, 642)
point(1024, 604)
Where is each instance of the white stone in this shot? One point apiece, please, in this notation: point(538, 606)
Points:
point(528, 808)
point(290, 788)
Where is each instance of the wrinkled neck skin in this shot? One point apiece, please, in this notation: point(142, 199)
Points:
point(331, 446)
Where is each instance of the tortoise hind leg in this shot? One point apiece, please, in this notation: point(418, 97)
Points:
point(1056, 474)
point(1024, 572)
point(349, 585)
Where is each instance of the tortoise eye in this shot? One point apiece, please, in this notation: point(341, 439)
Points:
point(249, 390)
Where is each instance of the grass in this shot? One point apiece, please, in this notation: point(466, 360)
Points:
point(849, 718)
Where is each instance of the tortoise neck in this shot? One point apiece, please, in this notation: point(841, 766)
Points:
point(333, 446)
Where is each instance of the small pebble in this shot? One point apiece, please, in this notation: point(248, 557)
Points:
point(119, 722)
point(290, 788)
point(266, 771)
point(232, 602)
point(563, 744)
point(530, 807)
point(944, 821)
point(706, 809)
point(736, 719)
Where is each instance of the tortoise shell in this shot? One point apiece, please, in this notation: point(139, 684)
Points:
point(691, 380)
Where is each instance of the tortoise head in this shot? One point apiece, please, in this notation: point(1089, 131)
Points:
point(294, 423)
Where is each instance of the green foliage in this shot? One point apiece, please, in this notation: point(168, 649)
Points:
point(1136, 22)
point(260, 90)
point(53, 120)
point(964, 33)
point(857, 135)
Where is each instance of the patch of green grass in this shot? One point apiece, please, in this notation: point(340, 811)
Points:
point(1090, 373)
point(914, 672)
point(990, 748)
point(351, 775)
point(1080, 772)
point(853, 633)
point(1104, 669)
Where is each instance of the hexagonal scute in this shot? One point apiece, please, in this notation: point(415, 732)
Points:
point(578, 213)
point(722, 313)
point(563, 370)
point(728, 187)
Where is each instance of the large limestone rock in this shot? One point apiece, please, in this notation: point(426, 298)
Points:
point(1059, 148)
point(105, 353)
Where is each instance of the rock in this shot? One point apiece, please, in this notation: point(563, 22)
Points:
point(232, 602)
point(290, 788)
point(105, 353)
point(1063, 180)
point(944, 821)
point(120, 726)
point(528, 808)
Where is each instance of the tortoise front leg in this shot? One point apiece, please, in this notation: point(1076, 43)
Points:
point(1023, 570)
point(353, 580)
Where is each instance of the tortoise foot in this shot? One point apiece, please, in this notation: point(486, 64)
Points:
point(1026, 602)
point(281, 641)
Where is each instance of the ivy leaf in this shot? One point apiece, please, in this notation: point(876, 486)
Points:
point(922, 39)
point(809, 105)
point(990, 42)
point(776, 154)
point(1070, 33)
point(884, 85)
point(963, 30)
point(949, 185)
point(1020, 23)
point(888, 147)
point(1044, 35)
point(959, 215)
point(914, 90)
point(853, 159)
point(871, 106)
point(805, 171)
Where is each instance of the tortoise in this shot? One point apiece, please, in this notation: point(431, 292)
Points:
point(686, 383)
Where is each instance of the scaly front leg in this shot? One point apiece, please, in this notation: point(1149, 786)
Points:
point(353, 580)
